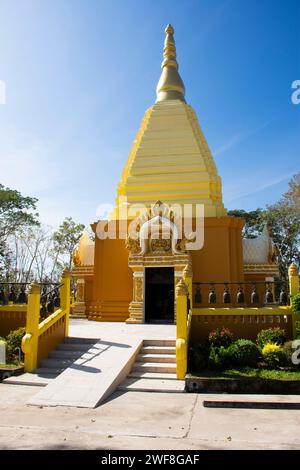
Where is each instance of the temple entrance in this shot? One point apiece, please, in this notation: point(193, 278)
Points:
point(159, 295)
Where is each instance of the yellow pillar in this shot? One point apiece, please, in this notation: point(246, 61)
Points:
point(293, 279)
point(181, 293)
point(188, 279)
point(30, 339)
point(294, 289)
point(65, 294)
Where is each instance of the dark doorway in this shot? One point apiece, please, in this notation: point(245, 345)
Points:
point(159, 295)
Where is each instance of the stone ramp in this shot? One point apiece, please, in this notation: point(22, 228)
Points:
point(91, 378)
point(58, 360)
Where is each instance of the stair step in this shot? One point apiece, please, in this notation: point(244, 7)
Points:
point(155, 367)
point(152, 375)
point(73, 347)
point(159, 342)
point(73, 339)
point(158, 350)
point(30, 379)
point(156, 358)
point(61, 354)
point(153, 385)
point(56, 363)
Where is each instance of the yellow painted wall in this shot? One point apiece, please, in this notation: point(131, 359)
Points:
point(12, 317)
point(112, 283)
point(221, 258)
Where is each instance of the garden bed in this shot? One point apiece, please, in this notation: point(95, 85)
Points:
point(244, 380)
point(7, 370)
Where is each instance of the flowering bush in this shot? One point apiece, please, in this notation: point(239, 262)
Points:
point(271, 335)
point(272, 354)
point(222, 337)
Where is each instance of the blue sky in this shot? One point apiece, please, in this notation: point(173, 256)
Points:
point(80, 74)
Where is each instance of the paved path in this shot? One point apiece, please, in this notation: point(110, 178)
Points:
point(97, 373)
point(136, 420)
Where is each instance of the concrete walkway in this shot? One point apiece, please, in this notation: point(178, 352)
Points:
point(97, 373)
point(135, 420)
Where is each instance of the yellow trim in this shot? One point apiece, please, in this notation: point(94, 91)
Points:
point(13, 308)
point(49, 321)
point(280, 310)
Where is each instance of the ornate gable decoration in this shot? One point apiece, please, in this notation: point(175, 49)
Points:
point(156, 232)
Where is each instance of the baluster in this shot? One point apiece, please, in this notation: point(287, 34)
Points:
point(269, 295)
point(50, 304)
point(240, 297)
point(212, 298)
point(198, 296)
point(2, 296)
point(22, 297)
point(226, 295)
point(12, 295)
point(43, 308)
point(283, 297)
point(254, 295)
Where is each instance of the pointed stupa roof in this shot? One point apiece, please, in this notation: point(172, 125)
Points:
point(170, 160)
point(170, 85)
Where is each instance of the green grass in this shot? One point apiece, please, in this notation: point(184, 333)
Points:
point(249, 372)
point(10, 366)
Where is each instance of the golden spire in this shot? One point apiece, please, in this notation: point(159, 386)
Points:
point(170, 85)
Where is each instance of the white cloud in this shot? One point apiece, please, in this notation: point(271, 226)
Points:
point(234, 140)
point(238, 138)
point(261, 187)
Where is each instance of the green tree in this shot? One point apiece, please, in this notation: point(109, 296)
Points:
point(254, 221)
point(66, 238)
point(283, 220)
point(15, 213)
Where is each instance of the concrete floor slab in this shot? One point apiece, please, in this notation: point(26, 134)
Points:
point(135, 420)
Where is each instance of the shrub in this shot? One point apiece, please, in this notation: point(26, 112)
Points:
point(199, 356)
point(244, 352)
point(271, 335)
point(295, 302)
point(273, 355)
point(287, 352)
point(219, 338)
point(14, 340)
point(218, 357)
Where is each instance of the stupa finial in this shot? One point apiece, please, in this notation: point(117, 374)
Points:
point(170, 85)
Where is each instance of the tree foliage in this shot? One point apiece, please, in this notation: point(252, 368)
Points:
point(254, 221)
point(15, 211)
point(67, 237)
point(15, 214)
point(283, 221)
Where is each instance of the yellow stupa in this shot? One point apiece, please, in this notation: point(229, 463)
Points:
point(170, 160)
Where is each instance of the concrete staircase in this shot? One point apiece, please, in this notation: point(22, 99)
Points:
point(154, 369)
point(58, 360)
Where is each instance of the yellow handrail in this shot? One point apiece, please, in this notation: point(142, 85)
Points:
point(34, 329)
